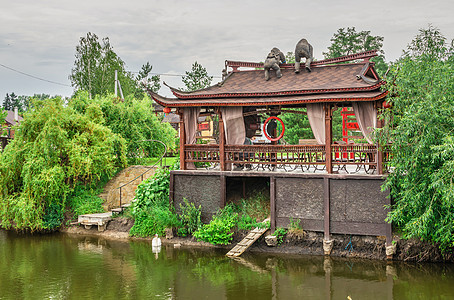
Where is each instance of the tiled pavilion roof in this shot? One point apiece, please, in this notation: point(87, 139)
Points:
point(326, 83)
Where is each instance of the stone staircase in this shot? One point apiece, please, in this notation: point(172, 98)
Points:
point(111, 193)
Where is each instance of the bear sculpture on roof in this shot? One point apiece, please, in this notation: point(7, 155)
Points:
point(303, 49)
point(272, 61)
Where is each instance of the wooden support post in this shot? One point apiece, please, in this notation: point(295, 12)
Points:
point(328, 139)
point(273, 203)
point(182, 142)
point(379, 151)
point(223, 191)
point(326, 198)
point(221, 142)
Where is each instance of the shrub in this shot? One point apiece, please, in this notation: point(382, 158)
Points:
point(153, 220)
point(190, 218)
point(280, 234)
point(219, 230)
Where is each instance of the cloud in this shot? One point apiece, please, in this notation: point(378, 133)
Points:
point(40, 37)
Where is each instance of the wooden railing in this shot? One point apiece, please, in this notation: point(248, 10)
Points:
point(347, 158)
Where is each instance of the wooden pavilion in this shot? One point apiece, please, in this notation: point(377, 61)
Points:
point(242, 95)
point(330, 186)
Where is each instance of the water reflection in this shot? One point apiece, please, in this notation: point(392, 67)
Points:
point(65, 267)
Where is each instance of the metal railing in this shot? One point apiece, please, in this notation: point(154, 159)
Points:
point(288, 157)
point(149, 168)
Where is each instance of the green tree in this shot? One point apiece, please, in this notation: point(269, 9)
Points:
point(421, 128)
point(95, 65)
point(151, 83)
point(8, 102)
point(290, 57)
point(348, 41)
point(133, 120)
point(296, 127)
point(197, 78)
point(55, 148)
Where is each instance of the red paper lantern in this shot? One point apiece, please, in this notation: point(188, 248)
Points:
point(386, 104)
point(166, 110)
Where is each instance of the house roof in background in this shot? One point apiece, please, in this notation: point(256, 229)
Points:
point(9, 119)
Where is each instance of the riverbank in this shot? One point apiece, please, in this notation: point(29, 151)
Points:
point(309, 243)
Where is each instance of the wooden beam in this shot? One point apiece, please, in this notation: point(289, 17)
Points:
point(221, 142)
point(380, 124)
point(328, 139)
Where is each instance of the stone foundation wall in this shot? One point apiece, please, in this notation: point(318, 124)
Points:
point(329, 203)
point(201, 190)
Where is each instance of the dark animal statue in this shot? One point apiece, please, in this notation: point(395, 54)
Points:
point(272, 61)
point(303, 49)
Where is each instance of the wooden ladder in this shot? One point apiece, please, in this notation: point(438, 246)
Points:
point(247, 242)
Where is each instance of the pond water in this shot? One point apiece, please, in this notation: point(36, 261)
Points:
point(66, 267)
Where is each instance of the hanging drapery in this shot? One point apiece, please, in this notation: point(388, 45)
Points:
point(190, 117)
point(316, 116)
point(235, 132)
point(366, 116)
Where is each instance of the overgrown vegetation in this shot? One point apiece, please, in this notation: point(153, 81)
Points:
point(220, 230)
point(55, 149)
point(152, 213)
point(190, 218)
point(151, 209)
point(245, 216)
point(420, 126)
point(133, 120)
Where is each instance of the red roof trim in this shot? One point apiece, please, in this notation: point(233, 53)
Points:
point(363, 55)
point(182, 104)
point(283, 93)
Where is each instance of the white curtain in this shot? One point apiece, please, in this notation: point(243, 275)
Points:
point(235, 132)
point(190, 118)
point(366, 116)
point(316, 116)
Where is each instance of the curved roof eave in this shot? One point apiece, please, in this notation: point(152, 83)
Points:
point(266, 101)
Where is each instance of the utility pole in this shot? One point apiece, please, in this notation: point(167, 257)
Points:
point(118, 85)
point(116, 80)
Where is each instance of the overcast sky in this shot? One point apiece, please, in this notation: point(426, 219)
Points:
point(39, 37)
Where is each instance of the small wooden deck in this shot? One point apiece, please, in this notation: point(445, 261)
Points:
point(99, 220)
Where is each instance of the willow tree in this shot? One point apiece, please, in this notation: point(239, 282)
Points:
point(420, 126)
point(55, 148)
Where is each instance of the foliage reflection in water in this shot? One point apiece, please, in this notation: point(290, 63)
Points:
point(63, 267)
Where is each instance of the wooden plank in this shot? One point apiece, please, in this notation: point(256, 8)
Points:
point(278, 174)
point(245, 243)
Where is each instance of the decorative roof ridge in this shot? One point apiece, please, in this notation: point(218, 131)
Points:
point(375, 85)
point(362, 55)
